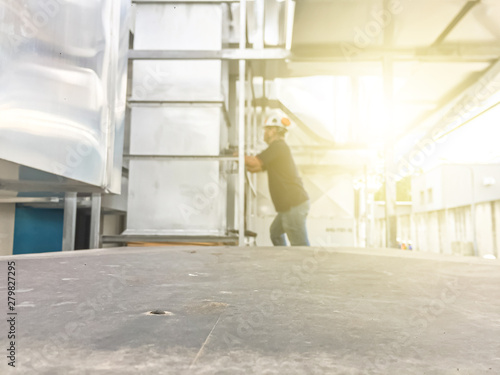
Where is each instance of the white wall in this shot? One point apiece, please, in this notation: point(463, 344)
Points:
point(431, 180)
point(452, 186)
point(450, 231)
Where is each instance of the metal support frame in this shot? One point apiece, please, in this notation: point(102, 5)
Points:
point(184, 1)
point(223, 54)
point(182, 157)
point(95, 221)
point(69, 224)
point(241, 128)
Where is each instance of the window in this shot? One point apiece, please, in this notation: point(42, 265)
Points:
point(429, 195)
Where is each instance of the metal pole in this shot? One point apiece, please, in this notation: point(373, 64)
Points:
point(248, 141)
point(69, 225)
point(254, 175)
point(241, 129)
point(95, 221)
point(473, 212)
point(248, 133)
point(390, 188)
point(365, 197)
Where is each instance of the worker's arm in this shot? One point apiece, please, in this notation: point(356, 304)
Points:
point(253, 164)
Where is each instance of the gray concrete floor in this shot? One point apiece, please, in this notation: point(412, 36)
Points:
point(253, 311)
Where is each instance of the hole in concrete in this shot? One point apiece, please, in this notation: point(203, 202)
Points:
point(159, 312)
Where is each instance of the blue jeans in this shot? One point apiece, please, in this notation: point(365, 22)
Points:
point(293, 224)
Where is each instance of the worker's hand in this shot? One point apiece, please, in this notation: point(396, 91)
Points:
point(253, 164)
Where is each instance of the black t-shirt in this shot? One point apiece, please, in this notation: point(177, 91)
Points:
point(285, 184)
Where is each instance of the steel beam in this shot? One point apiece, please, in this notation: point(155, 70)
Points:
point(182, 157)
point(224, 54)
point(184, 1)
point(463, 12)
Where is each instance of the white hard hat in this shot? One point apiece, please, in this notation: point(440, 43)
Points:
point(278, 121)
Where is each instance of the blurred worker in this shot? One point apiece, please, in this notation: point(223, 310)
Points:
point(287, 192)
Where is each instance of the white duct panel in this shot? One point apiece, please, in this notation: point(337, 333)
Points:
point(62, 91)
point(175, 130)
point(176, 198)
point(179, 80)
point(178, 27)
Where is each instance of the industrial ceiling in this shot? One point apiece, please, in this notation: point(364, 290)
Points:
point(442, 53)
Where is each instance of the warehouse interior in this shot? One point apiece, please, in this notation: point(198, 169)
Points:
point(123, 129)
